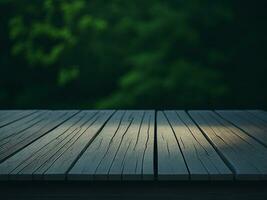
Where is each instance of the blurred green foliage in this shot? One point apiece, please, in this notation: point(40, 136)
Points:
point(133, 54)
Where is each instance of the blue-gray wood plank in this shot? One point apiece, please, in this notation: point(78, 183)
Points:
point(122, 151)
point(133, 145)
point(202, 161)
point(245, 155)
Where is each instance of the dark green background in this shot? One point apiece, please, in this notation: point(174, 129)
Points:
point(133, 54)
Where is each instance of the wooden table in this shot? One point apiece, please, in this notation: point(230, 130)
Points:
point(133, 145)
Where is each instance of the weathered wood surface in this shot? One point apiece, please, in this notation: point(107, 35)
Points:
point(122, 151)
point(171, 164)
point(22, 132)
point(133, 145)
point(244, 155)
point(7, 117)
point(33, 161)
point(251, 122)
point(202, 160)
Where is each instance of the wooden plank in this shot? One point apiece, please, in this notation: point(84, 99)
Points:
point(20, 125)
point(128, 141)
point(242, 153)
point(102, 145)
point(202, 160)
point(148, 135)
point(128, 162)
point(244, 117)
point(103, 169)
point(171, 164)
point(122, 150)
point(61, 162)
point(260, 114)
point(43, 156)
point(22, 136)
point(9, 115)
point(5, 114)
point(246, 121)
point(13, 116)
point(72, 141)
point(32, 151)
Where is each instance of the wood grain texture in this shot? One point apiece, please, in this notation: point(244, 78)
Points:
point(134, 159)
point(202, 160)
point(57, 153)
point(20, 125)
point(57, 169)
point(260, 114)
point(244, 155)
point(129, 145)
point(21, 133)
point(171, 164)
point(13, 165)
point(8, 117)
point(122, 151)
point(248, 122)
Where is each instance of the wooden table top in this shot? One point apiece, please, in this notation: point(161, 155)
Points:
point(133, 145)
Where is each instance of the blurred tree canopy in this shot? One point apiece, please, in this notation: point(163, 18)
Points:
point(133, 54)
